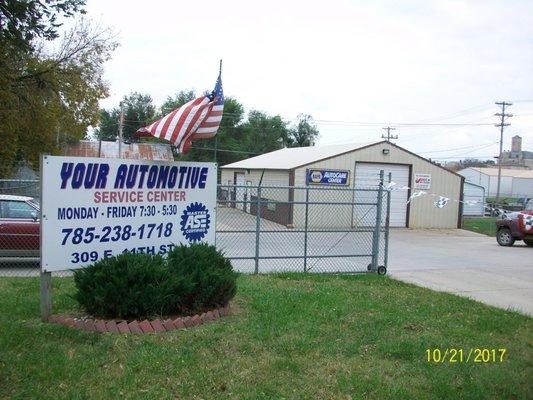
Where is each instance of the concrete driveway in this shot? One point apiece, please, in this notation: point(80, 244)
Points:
point(464, 263)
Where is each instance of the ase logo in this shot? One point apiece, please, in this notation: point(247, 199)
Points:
point(195, 222)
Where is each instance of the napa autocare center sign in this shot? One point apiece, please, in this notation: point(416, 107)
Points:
point(327, 177)
point(94, 208)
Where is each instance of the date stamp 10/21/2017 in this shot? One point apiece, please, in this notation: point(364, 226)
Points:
point(473, 355)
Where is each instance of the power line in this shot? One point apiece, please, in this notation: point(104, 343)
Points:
point(475, 147)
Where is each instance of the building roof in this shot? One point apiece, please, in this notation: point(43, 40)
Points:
point(293, 157)
point(14, 197)
point(136, 151)
point(515, 173)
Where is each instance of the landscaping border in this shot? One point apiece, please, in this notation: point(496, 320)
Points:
point(154, 326)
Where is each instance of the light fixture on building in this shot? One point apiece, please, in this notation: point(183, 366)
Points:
point(385, 151)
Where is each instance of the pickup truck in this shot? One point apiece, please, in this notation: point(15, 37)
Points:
point(513, 226)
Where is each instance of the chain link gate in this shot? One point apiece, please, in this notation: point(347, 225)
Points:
point(304, 229)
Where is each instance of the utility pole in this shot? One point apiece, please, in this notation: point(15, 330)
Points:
point(502, 124)
point(389, 136)
point(120, 126)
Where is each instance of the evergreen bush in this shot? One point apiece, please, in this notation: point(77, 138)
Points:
point(191, 279)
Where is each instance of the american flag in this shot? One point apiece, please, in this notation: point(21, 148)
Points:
point(197, 119)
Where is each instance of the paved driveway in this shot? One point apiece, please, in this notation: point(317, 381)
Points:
point(464, 263)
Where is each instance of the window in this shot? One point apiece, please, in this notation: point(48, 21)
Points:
point(16, 209)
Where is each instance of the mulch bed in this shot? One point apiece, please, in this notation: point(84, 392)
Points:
point(154, 326)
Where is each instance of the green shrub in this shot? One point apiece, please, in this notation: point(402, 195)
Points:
point(208, 272)
point(192, 279)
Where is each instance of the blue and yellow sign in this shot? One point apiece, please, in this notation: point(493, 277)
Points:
point(327, 177)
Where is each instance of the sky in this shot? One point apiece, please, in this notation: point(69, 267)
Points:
point(355, 66)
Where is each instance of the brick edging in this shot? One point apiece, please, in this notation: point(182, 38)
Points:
point(146, 326)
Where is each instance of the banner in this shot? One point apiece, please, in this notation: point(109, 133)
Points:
point(99, 207)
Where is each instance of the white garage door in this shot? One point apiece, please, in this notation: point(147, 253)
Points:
point(367, 175)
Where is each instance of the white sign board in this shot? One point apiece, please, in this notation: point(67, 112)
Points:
point(422, 181)
point(93, 208)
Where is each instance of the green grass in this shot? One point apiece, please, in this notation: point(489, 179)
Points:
point(292, 337)
point(484, 225)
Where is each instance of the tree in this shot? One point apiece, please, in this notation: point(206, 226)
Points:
point(139, 111)
point(263, 133)
point(49, 99)
point(23, 21)
point(304, 133)
point(107, 128)
point(179, 99)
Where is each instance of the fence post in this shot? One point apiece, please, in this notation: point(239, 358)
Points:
point(387, 225)
point(305, 226)
point(46, 295)
point(377, 228)
point(257, 228)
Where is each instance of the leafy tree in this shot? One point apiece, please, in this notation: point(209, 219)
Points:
point(108, 126)
point(263, 133)
point(23, 21)
point(304, 133)
point(49, 99)
point(179, 99)
point(138, 111)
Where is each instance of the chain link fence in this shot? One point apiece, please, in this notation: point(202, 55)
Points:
point(304, 229)
point(260, 228)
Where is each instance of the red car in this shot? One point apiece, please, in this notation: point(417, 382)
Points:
point(19, 229)
point(514, 226)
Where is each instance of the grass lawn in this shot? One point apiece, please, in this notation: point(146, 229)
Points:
point(292, 337)
point(485, 225)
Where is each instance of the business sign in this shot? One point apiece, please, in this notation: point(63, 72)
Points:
point(422, 181)
point(327, 177)
point(93, 208)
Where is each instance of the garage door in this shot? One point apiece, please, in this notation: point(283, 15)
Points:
point(367, 175)
point(474, 197)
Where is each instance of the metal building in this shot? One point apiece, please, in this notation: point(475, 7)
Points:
point(513, 182)
point(351, 166)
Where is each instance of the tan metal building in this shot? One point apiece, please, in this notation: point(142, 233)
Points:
point(348, 166)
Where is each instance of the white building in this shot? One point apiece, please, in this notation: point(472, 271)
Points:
point(347, 166)
point(513, 183)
